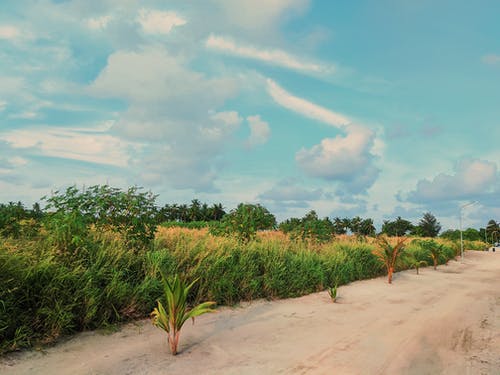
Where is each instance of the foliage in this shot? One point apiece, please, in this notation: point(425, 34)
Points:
point(172, 318)
point(398, 227)
point(189, 224)
point(493, 231)
point(434, 249)
point(245, 221)
point(362, 227)
point(46, 292)
point(309, 228)
point(18, 221)
point(332, 291)
point(341, 226)
point(131, 213)
point(195, 212)
point(389, 253)
point(469, 234)
point(428, 226)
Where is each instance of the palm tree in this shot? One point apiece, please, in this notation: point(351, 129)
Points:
point(389, 253)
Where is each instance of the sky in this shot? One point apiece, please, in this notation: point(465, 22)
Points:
point(364, 108)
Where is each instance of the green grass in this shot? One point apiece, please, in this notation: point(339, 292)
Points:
point(46, 292)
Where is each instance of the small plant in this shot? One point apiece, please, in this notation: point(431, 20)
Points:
point(332, 291)
point(389, 253)
point(172, 318)
point(413, 262)
point(434, 249)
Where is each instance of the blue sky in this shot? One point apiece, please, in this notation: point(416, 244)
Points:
point(369, 108)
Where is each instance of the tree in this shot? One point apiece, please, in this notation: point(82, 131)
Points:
point(493, 230)
point(129, 212)
point(428, 226)
point(362, 227)
point(389, 254)
point(310, 227)
point(244, 221)
point(340, 226)
point(396, 228)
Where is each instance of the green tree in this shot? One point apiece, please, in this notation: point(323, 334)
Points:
point(340, 226)
point(493, 231)
point(310, 227)
point(129, 212)
point(396, 228)
point(244, 221)
point(428, 226)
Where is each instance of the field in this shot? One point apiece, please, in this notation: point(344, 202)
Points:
point(53, 286)
point(438, 322)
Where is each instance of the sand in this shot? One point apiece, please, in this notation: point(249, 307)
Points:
point(439, 322)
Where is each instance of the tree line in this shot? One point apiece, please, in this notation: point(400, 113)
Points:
point(135, 214)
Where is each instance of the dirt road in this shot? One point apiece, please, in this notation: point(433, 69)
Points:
point(439, 322)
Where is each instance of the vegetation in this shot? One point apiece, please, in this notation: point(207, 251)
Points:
point(398, 227)
point(389, 254)
point(172, 318)
point(428, 226)
point(244, 222)
point(434, 249)
point(332, 291)
point(94, 257)
point(309, 228)
point(131, 213)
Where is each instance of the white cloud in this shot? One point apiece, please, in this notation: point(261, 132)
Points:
point(491, 59)
point(3, 105)
point(471, 178)
point(159, 22)
point(259, 131)
point(259, 14)
point(9, 32)
point(99, 23)
point(175, 109)
point(304, 107)
point(349, 159)
point(69, 143)
point(339, 158)
point(288, 190)
point(269, 56)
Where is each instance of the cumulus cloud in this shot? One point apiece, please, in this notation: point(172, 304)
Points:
point(159, 22)
point(305, 107)
point(471, 178)
point(175, 109)
point(259, 131)
point(269, 56)
point(347, 159)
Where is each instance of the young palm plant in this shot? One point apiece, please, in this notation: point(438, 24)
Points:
point(389, 253)
point(332, 291)
point(172, 318)
point(434, 249)
point(413, 262)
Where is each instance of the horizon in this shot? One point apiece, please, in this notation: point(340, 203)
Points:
point(371, 110)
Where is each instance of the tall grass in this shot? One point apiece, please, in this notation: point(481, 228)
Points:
point(46, 291)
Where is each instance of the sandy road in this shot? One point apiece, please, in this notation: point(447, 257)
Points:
point(439, 322)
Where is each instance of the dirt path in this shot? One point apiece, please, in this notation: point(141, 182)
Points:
point(439, 322)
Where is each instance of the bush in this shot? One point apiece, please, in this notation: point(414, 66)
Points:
point(131, 213)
